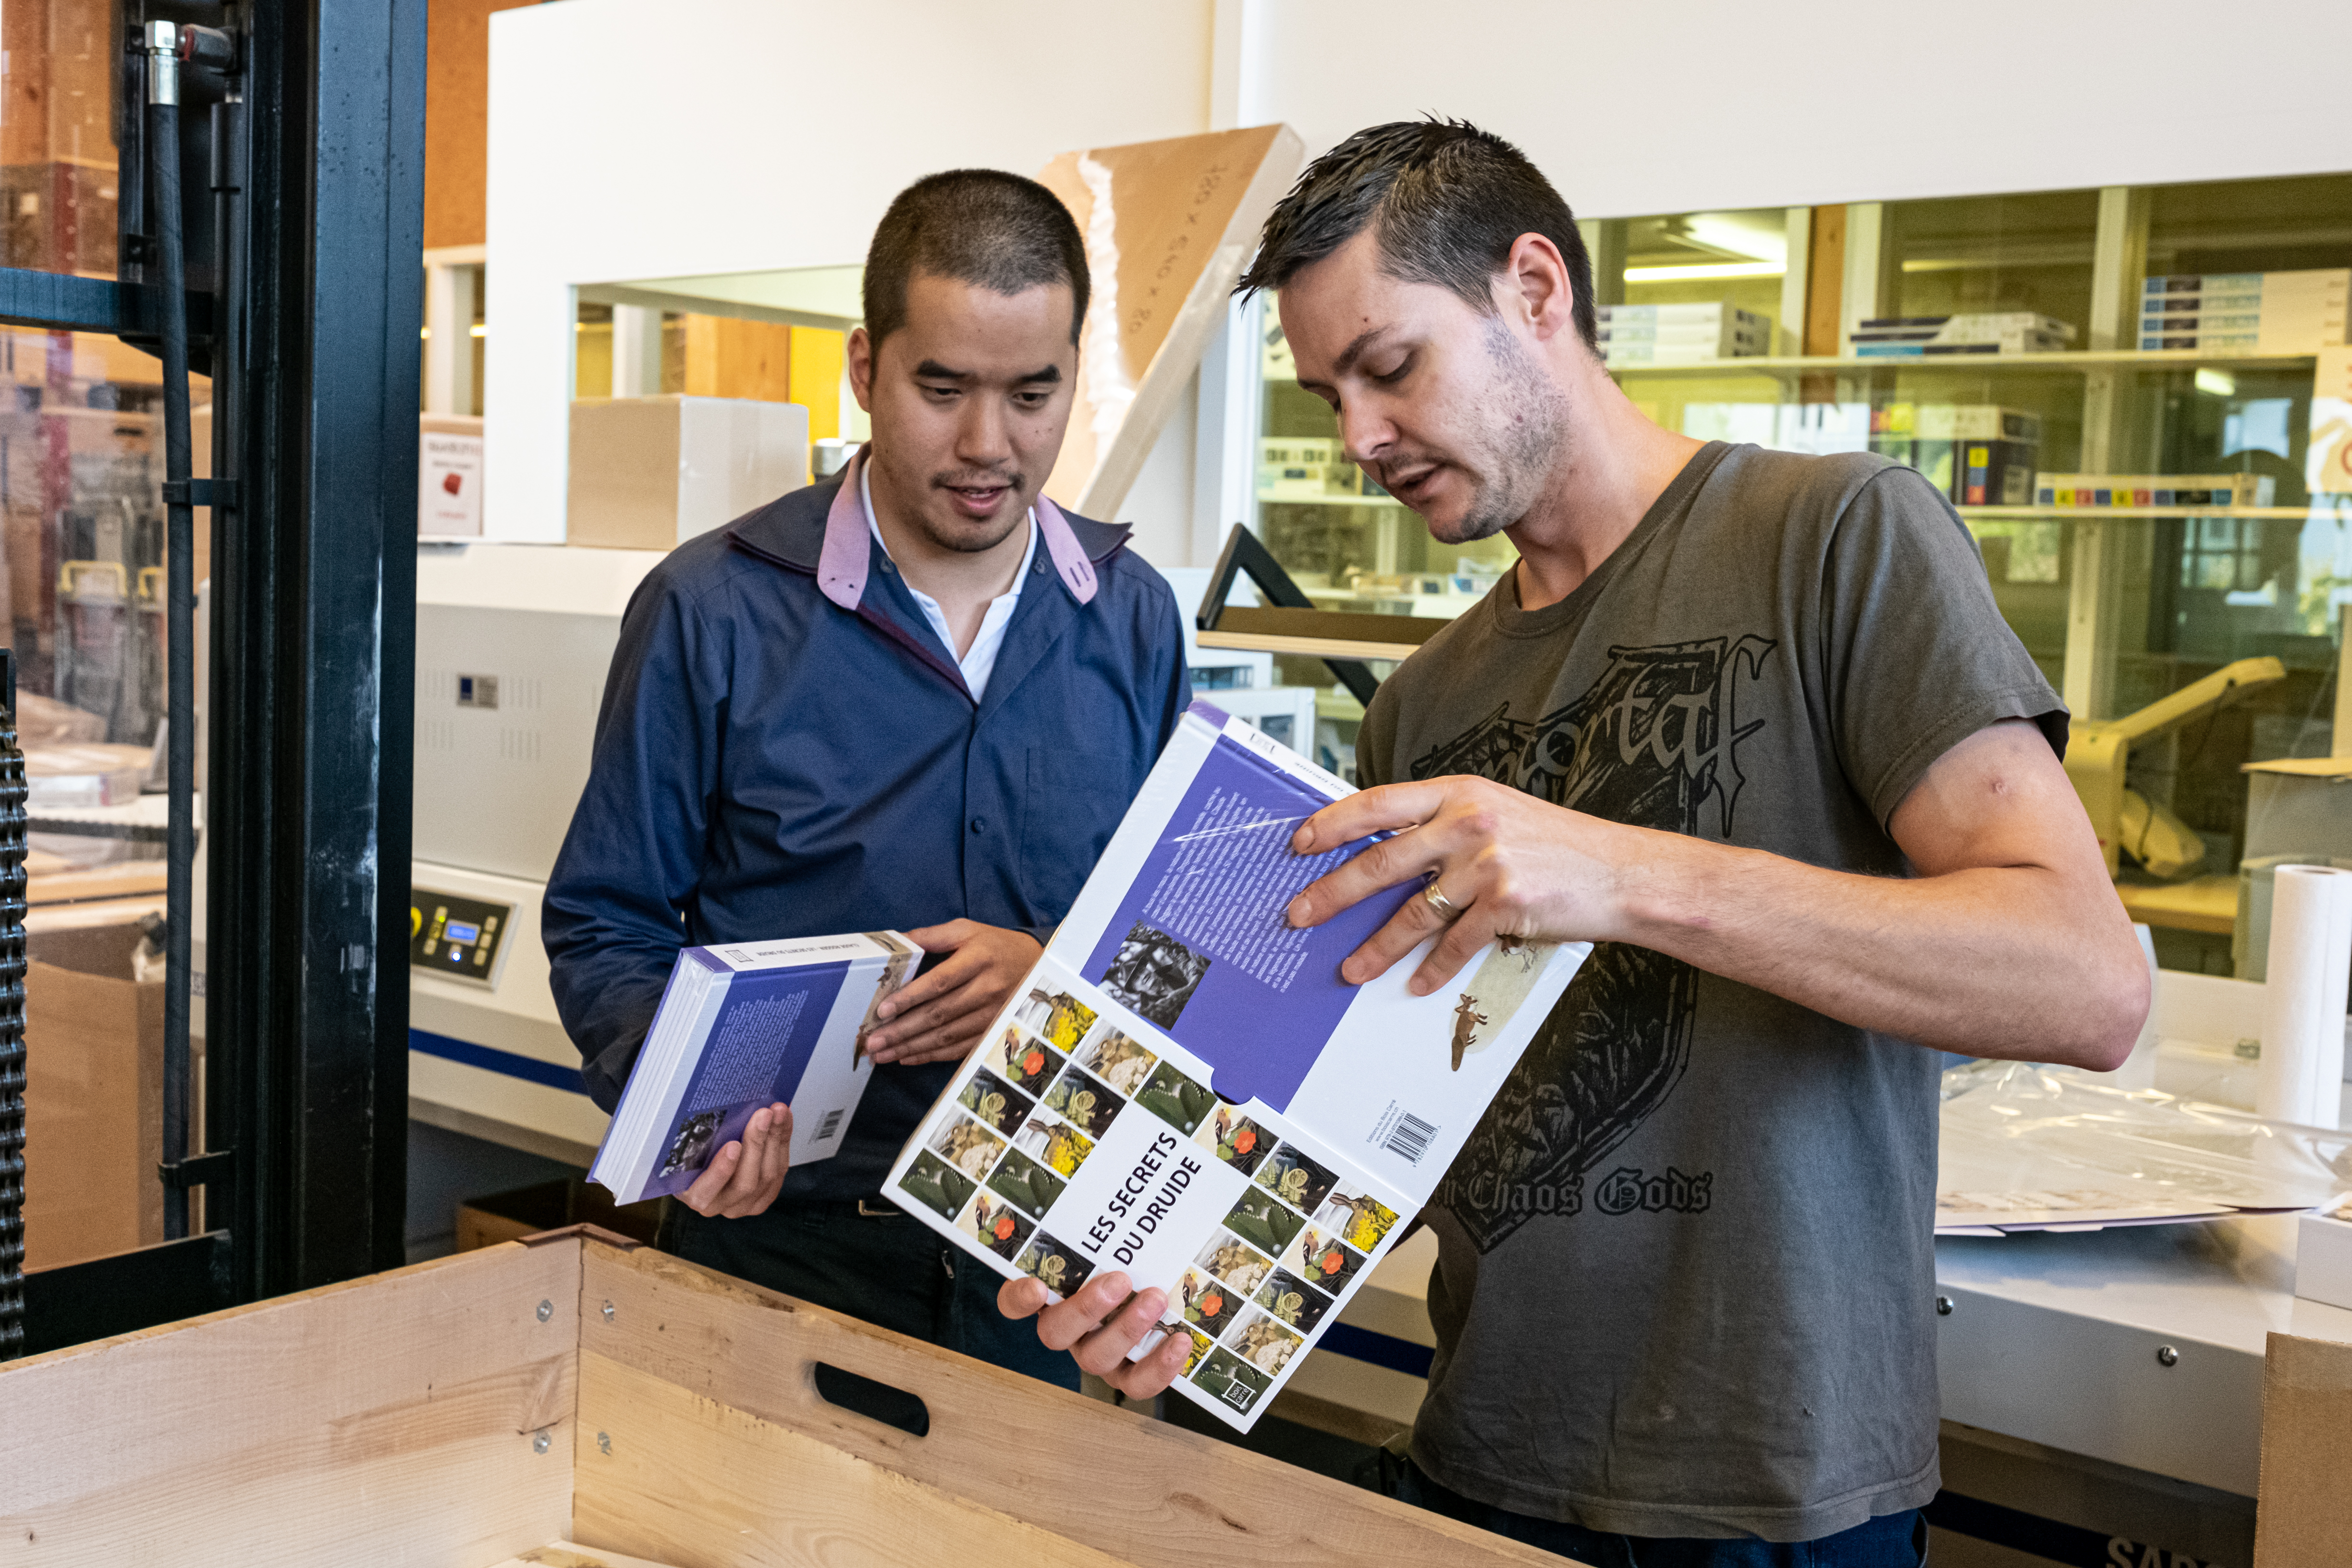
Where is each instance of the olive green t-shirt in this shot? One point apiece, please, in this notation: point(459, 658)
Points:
point(1686, 1274)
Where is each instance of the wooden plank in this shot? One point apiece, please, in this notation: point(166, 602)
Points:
point(1165, 1499)
point(1321, 647)
point(124, 878)
point(1179, 218)
point(670, 1473)
point(2305, 1520)
point(399, 1409)
point(571, 1554)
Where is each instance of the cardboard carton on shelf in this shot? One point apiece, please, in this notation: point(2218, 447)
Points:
point(93, 1097)
point(650, 473)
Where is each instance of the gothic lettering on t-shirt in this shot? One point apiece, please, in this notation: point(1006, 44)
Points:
point(1654, 740)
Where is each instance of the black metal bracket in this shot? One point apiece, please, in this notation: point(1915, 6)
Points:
point(59, 301)
point(200, 1170)
point(1244, 554)
point(200, 492)
point(128, 1290)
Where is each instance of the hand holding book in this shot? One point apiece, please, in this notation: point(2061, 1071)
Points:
point(1099, 1333)
point(939, 1015)
point(744, 1178)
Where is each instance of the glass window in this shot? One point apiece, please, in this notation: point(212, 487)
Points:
point(1960, 336)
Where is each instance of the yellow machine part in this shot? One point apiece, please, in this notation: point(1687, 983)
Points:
point(2099, 749)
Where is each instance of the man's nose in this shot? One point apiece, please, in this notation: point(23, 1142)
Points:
point(982, 435)
point(1364, 437)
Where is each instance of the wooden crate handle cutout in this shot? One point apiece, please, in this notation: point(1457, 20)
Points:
point(875, 1401)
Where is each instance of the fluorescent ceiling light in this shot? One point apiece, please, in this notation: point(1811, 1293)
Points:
point(1738, 236)
point(2219, 383)
point(1705, 270)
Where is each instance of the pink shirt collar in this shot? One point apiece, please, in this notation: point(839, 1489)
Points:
point(842, 566)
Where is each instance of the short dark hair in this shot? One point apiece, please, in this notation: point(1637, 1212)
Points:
point(982, 226)
point(1446, 200)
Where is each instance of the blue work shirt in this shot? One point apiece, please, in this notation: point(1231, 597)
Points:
point(770, 765)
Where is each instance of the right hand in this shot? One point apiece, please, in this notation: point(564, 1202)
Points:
point(1099, 1332)
point(744, 1178)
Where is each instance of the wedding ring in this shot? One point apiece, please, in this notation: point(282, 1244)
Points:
point(1436, 901)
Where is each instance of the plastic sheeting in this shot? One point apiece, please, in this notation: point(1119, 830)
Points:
point(2025, 1147)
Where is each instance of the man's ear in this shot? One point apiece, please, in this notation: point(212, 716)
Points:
point(1533, 286)
point(861, 368)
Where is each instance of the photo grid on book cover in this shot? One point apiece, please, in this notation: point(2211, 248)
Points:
point(1045, 1088)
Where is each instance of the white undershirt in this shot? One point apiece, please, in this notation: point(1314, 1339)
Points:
point(979, 662)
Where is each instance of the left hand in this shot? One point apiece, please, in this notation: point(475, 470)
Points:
point(940, 1016)
point(1513, 866)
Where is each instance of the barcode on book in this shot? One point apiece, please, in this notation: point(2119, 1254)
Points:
point(1408, 1139)
point(828, 1127)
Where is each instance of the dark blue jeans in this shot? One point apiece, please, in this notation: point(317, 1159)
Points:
point(1890, 1541)
point(884, 1269)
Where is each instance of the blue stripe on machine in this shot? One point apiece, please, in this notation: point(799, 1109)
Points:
point(529, 1069)
point(1381, 1350)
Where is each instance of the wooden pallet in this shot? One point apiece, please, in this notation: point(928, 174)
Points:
point(575, 1394)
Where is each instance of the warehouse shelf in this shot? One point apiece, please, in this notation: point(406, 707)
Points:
point(2084, 360)
point(2318, 507)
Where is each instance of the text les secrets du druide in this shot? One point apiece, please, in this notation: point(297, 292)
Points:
point(1139, 1181)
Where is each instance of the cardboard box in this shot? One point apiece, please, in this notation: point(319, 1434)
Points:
point(650, 473)
point(93, 1098)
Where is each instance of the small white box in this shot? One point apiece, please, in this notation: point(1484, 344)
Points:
point(650, 473)
point(2323, 1259)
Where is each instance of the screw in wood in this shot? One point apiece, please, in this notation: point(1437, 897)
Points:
point(546, 1310)
point(608, 1311)
point(603, 1442)
point(2167, 1356)
point(540, 1441)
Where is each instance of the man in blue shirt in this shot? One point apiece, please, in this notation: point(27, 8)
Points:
point(918, 697)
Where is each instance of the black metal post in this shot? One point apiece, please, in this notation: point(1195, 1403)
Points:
point(307, 807)
point(12, 1019)
point(180, 607)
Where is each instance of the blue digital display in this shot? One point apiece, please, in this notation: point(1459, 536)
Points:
point(461, 931)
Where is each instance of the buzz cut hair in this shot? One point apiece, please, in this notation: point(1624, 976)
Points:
point(1444, 201)
point(983, 226)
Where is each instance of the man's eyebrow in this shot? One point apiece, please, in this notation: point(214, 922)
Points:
point(932, 370)
point(1348, 355)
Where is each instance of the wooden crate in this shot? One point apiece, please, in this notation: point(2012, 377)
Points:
point(573, 1387)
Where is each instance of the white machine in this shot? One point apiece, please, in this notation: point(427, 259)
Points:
point(512, 645)
point(513, 642)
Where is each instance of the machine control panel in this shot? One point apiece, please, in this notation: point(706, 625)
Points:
point(457, 937)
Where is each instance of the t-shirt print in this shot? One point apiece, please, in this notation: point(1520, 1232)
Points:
point(1650, 743)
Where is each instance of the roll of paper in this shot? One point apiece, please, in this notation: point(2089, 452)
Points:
point(2301, 1072)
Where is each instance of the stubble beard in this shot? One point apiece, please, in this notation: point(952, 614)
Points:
point(960, 537)
point(1519, 436)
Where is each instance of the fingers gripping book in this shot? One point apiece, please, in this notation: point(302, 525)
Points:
point(740, 1026)
point(1185, 1090)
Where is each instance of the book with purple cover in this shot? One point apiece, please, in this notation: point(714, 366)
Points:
point(1184, 1089)
point(743, 1026)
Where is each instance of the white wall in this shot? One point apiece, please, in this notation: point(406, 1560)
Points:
point(1635, 109)
point(632, 141)
point(629, 140)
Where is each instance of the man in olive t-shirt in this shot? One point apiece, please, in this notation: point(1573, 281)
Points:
point(1751, 724)
point(1711, 1207)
